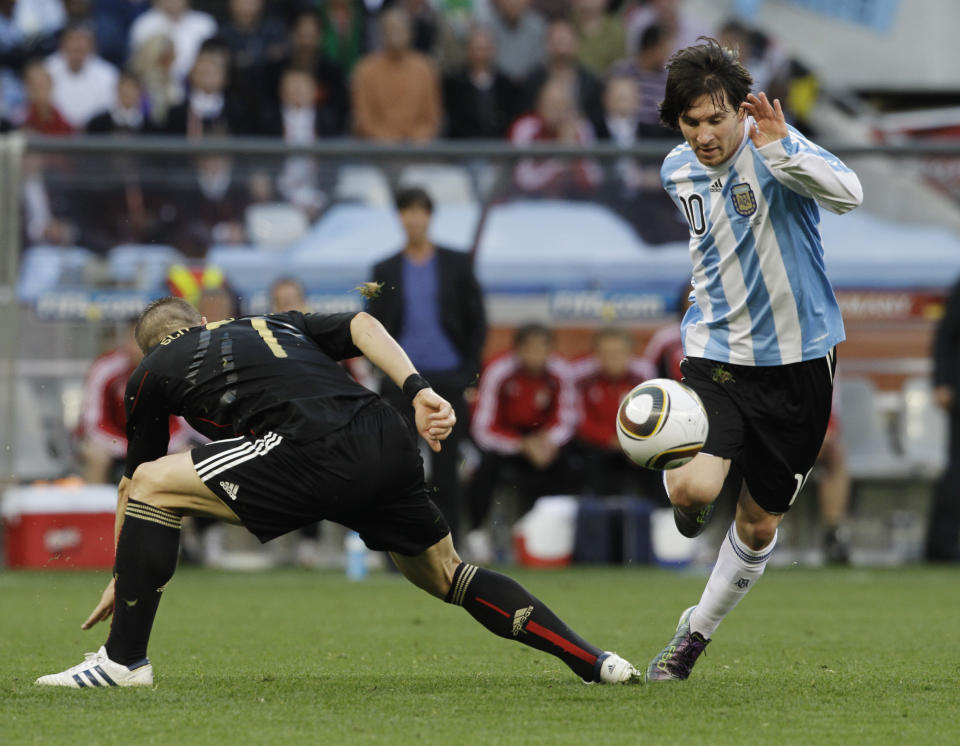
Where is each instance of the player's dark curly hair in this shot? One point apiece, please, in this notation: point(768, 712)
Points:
point(161, 317)
point(706, 69)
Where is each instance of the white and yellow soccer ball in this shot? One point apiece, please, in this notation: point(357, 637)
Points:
point(661, 424)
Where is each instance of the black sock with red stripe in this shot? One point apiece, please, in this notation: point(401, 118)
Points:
point(146, 559)
point(507, 609)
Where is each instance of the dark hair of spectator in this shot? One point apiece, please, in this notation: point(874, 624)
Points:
point(528, 331)
point(706, 69)
point(414, 197)
point(651, 36)
point(129, 75)
point(162, 317)
point(613, 332)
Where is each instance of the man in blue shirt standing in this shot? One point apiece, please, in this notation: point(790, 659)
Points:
point(759, 339)
point(431, 303)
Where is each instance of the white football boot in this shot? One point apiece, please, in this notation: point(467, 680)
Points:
point(98, 670)
point(616, 670)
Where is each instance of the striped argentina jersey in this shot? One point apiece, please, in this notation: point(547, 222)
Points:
point(761, 290)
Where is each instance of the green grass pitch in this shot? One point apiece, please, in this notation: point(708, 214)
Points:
point(283, 657)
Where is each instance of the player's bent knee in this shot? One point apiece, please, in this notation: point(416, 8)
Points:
point(760, 533)
point(691, 494)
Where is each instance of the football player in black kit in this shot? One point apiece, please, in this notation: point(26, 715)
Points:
point(295, 440)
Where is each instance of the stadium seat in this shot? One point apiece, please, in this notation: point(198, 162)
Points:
point(445, 182)
point(923, 428)
point(587, 246)
point(44, 268)
point(246, 269)
point(364, 184)
point(32, 457)
point(275, 225)
point(870, 452)
point(143, 266)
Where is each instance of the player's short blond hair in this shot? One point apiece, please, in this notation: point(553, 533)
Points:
point(162, 317)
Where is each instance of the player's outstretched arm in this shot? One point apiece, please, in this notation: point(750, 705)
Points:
point(434, 415)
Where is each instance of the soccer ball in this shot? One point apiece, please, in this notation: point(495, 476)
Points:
point(661, 424)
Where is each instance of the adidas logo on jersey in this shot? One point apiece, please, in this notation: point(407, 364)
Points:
point(231, 489)
point(716, 186)
point(520, 617)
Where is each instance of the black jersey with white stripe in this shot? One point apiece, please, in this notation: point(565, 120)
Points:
point(246, 376)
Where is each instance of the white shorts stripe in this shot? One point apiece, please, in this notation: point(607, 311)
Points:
point(213, 466)
point(215, 461)
point(223, 453)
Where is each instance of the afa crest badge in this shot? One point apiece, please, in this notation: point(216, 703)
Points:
point(744, 201)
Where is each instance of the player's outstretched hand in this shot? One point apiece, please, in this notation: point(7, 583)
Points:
point(770, 125)
point(434, 417)
point(103, 609)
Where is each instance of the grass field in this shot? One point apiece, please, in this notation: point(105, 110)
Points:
point(811, 656)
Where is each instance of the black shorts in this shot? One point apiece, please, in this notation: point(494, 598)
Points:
point(367, 476)
point(769, 420)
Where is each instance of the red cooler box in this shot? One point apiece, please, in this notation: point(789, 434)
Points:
point(55, 528)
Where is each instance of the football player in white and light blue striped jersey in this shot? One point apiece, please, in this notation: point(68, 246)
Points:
point(759, 341)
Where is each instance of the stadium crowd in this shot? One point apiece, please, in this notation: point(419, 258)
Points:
point(526, 71)
point(304, 69)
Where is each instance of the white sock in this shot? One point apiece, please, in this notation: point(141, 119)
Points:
point(738, 568)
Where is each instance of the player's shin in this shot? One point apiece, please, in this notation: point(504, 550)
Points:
point(737, 570)
point(146, 560)
point(507, 609)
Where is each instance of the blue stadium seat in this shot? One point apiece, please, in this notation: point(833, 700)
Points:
point(556, 244)
point(143, 266)
point(44, 268)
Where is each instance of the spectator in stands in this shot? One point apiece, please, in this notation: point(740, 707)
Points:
point(603, 379)
point(112, 20)
point(943, 532)
point(555, 120)
point(186, 28)
point(125, 115)
point(209, 108)
point(84, 84)
point(14, 52)
point(255, 41)
point(479, 99)
point(102, 429)
point(519, 34)
point(301, 118)
point(646, 68)
point(306, 53)
point(431, 303)
point(344, 32)
point(302, 112)
point(396, 91)
point(601, 35)
point(526, 413)
point(208, 209)
point(681, 27)
point(152, 63)
point(562, 65)
point(619, 121)
point(43, 117)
